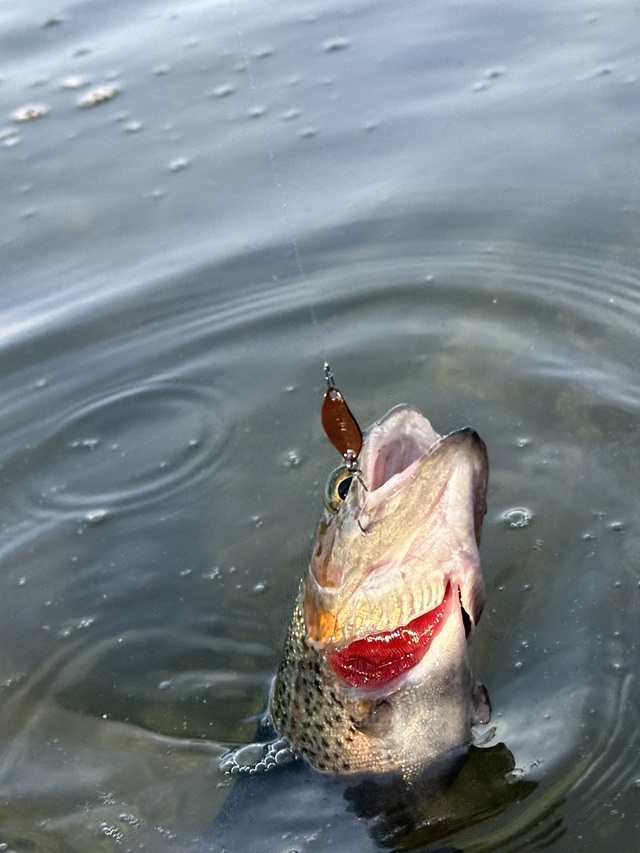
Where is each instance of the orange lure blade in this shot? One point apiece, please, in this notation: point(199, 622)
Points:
point(339, 424)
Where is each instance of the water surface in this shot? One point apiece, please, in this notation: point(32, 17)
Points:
point(442, 199)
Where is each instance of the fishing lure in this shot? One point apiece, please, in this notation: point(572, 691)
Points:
point(339, 423)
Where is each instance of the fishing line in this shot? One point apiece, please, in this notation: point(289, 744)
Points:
point(272, 162)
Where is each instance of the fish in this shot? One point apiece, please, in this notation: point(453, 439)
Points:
point(375, 675)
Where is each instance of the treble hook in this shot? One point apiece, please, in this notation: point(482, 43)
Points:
point(339, 424)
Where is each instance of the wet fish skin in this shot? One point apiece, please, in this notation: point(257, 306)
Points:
point(405, 532)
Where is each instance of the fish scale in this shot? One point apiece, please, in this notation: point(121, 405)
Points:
point(314, 714)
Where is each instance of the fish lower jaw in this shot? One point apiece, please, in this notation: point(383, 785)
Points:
point(384, 662)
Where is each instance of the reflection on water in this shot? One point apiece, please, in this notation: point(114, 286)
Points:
point(444, 202)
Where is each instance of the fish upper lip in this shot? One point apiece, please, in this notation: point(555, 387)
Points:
point(393, 445)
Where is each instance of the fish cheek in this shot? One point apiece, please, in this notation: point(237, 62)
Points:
point(378, 722)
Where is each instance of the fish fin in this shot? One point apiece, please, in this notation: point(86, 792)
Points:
point(377, 722)
point(481, 704)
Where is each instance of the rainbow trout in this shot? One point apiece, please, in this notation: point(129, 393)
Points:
point(374, 674)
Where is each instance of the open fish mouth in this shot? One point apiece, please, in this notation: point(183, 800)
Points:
point(400, 554)
point(393, 444)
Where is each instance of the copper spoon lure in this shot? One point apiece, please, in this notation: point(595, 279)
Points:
point(339, 424)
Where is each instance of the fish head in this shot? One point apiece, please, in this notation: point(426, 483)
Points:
point(401, 547)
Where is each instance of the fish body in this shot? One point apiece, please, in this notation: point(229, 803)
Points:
point(374, 675)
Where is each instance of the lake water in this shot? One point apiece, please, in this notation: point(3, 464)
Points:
point(200, 202)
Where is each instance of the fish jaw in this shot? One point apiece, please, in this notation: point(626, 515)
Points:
point(409, 527)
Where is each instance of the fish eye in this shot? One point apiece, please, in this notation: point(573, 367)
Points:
point(337, 488)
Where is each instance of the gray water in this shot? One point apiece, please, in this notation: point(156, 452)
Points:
point(441, 198)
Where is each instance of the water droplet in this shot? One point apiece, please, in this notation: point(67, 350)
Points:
point(164, 685)
point(108, 830)
point(30, 112)
point(291, 459)
point(132, 126)
point(179, 164)
point(96, 516)
point(493, 73)
point(84, 443)
point(335, 44)
point(9, 138)
point(212, 574)
point(223, 91)
point(260, 587)
point(256, 112)
point(616, 525)
point(74, 81)
point(22, 581)
point(99, 95)
point(522, 442)
point(518, 518)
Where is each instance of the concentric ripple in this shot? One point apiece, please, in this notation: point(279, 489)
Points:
point(130, 447)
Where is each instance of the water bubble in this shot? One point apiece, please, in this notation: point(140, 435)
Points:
point(223, 90)
point(110, 831)
point(518, 518)
point(30, 112)
point(9, 138)
point(99, 95)
point(74, 81)
point(291, 459)
point(96, 516)
point(334, 44)
point(179, 164)
point(76, 625)
point(84, 443)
